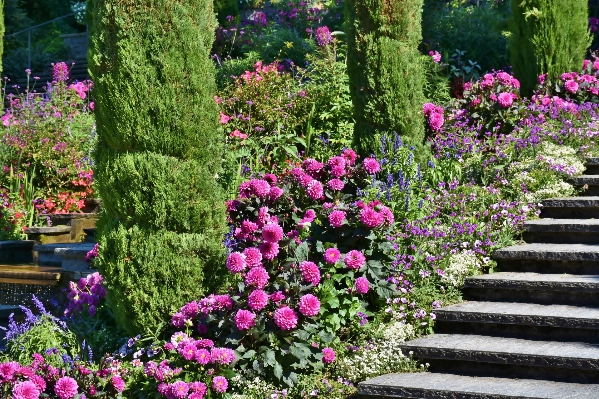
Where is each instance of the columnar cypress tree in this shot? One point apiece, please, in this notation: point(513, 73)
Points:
point(158, 152)
point(385, 70)
point(547, 36)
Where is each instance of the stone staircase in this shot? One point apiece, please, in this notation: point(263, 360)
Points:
point(528, 331)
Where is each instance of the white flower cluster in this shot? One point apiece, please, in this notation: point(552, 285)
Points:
point(247, 387)
point(556, 189)
point(380, 356)
point(560, 158)
point(460, 266)
point(79, 8)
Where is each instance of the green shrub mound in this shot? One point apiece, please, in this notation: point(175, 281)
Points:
point(159, 192)
point(386, 71)
point(154, 80)
point(149, 273)
point(547, 36)
point(158, 152)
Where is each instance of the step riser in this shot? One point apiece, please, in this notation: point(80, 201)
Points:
point(482, 369)
point(547, 266)
point(560, 237)
point(592, 170)
point(591, 191)
point(541, 333)
point(570, 213)
point(532, 296)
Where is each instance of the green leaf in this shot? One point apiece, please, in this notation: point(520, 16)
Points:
point(278, 370)
point(270, 357)
point(249, 354)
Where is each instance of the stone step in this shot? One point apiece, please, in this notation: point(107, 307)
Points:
point(549, 258)
point(47, 255)
point(571, 207)
point(591, 182)
point(73, 260)
point(15, 252)
point(454, 386)
point(562, 231)
point(520, 320)
point(563, 289)
point(592, 166)
point(30, 272)
point(481, 355)
point(49, 235)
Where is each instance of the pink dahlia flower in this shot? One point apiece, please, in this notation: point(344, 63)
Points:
point(335, 185)
point(202, 356)
point(257, 277)
point(436, 120)
point(276, 296)
point(309, 305)
point(244, 319)
point(118, 383)
point(275, 193)
point(260, 187)
point(310, 272)
point(257, 300)
point(371, 165)
point(336, 218)
point(332, 255)
point(329, 355)
point(354, 259)
point(571, 86)
point(179, 389)
point(253, 257)
point(222, 356)
point(25, 390)
point(269, 250)
point(248, 227)
point(314, 190)
point(349, 155)
point(371, 218)
point(272, 232)
point(220, 384)
point(285, 318)
point(236, 262)
point(362, 285)
point(66, 388)
point(505, 99)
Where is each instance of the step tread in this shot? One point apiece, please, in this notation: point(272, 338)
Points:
point(571, 202)
point(482, 348)
point(585, 179)
point(53, 247)
point(446, 386)
point(521, 313)
point(517, 280)
point(566, 252)
point(30, 272)
point(592, 161)
point(48, 230)
point(562, 225)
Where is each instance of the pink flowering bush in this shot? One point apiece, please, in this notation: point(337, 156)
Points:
point(307, 255)
point(577, 87)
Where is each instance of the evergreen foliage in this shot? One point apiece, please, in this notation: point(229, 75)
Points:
point(2, 30)
point(547, 36)
point(158, 152)
point(385, 70)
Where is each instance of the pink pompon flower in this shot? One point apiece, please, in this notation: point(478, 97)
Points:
point(371, 218)
point(269, 250)
point(224, 119)
point(309, 305)
point(8, 369)
point(312, 165)
point(349, 155)
point(332, 255)
point(571, 86)
point(354, 259)
point(236, 262)
point(310, 272)
point(220, 384)
point(329, 355)
point(253, 257)
point(285, 318)
point(25, 390)
point(257, 300)
point(436, 120)
point(199, 388)
point(314, 190)
point(361, 285)
point(371, 165)
point(309, 215)
point(202, 356)
point(436, 56)
point(323, 36)
point(118, 383)
point(244, 319)
point(505, 99)
point(336, 218)
point(257, 277)
point(275, 193)
point(66, 388)
point(271, 178)
point(335, 184)
point(387, 215)
point(276, 296)
point(179, 389)
point(272, 232)
point(248, 227)
point(222, 356)
point(260, 188)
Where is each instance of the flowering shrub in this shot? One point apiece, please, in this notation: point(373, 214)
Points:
point(86, 294)
point(51, 136)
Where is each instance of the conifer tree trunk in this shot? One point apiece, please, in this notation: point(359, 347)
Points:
point(158, 151)
point(385, 70)
point(547, 36)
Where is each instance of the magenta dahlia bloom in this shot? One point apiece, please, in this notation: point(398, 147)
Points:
point(60, 72)
point(179, 389)
point(248, 227)
point(371, 218)
point(332, 255)
point(387, 215)
point(220, 384)
point(8, 369)
point(188, 351)
point(66, 388)
point(257, 300)
point(118, 383)
point(309, 215)
point(314, 189)
point(260, 188)
point(236, 262)
point(271, 178)
point(276, 296)
point(285, 318)
point(25, 390)
point(191, 309)
point(436, 120)
point(269, 250)
point(253, 257)
point(275, 193)
point(371, 165)
point(202, 356)
point(329, 355)
point(336, 218)
point(349, 155)
point(310, 272)
point(571, 86)
point(312, 165)
point(222, 356)
point(272, 232)
point(323, 36)
point(244, 319)
point(257, 277)
point(309, 305)
point(354, 259)
point(506, 99)
point(335, 184)
point(198, 387)
point(362, 285)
